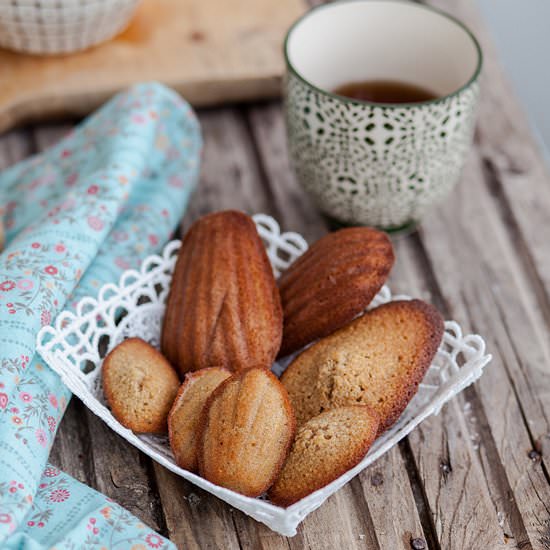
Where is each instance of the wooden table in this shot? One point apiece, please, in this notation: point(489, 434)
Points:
point(474, 477)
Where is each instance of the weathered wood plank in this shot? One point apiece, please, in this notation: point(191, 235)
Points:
point(508, 148)
point(387, 491)
point(195, 519)
point(230, 175)
point(343, 521)
point(46, 135)
point(479, 432)
point(518, 179)
point(72, 445)
point(493, 299)
point(123, 473)
point(259, 538)
point(290, 202)
point(15, 146)
point(447, 462)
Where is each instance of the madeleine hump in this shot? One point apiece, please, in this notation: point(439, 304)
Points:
point(224, 308)
point(332, 283)
point(185, 415)
point(140, 386)
point(247, 427)
point(378, 360)
point(325, 447)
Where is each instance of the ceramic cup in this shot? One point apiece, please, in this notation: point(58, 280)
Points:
point(379, 164)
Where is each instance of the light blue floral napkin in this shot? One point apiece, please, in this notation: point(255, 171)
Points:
point(76, 216)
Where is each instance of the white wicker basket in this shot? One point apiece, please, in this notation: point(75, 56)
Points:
point(61, 26)
point(136, 307)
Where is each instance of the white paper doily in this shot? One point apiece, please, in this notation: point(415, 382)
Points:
point(76, 345)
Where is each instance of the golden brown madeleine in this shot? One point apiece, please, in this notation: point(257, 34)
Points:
point(140, 386)
point(333, 282)
point(325, 447)
point(377, 360)
point(224, 308)
point(246, 430)
point(184, 417)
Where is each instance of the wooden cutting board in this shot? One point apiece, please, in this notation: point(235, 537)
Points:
point(211, 52)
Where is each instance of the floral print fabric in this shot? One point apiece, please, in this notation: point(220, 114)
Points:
point(66, 514)
point(76, 216)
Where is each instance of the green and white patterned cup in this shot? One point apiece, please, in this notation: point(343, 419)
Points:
point(380, 164)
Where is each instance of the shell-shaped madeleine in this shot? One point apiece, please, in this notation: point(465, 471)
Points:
point(378, 360)
point(246, 431)
point(332, 283)
point(140, 386)
point(185, 414)
point(224, 308)
point(325, 447)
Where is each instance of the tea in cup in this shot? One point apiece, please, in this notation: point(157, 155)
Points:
point(380, 103)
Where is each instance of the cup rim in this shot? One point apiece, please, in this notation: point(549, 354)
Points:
point(352, 101)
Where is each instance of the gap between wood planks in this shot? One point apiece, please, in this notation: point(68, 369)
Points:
point(469, 401)
point(516, 236)
point(420, 497)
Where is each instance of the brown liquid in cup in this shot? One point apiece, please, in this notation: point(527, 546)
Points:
point(385, 91)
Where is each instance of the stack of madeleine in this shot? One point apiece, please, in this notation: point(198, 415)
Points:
point(227, 319)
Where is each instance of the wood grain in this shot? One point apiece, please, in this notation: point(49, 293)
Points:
point(516, 176)
point(448, 467)
point(15, 146)
point(195, 520)
point(211, 52)
point(288, 201)
point(383, 485)
point(491, 300)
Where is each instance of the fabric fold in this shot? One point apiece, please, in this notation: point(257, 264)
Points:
point(76, 216)
point(68, 514)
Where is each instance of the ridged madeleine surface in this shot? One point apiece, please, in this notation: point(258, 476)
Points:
point(377, 360)
point(224, 308)
point(247, 428)
point(185, 414)
point(332, 283)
